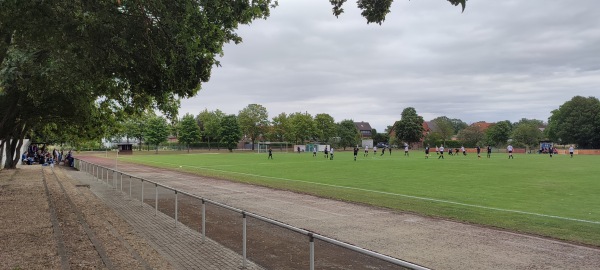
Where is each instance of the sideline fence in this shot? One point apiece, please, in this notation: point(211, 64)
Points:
point(267, 242)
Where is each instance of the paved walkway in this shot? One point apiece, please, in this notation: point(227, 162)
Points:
point(434, 243)
point(182, 246)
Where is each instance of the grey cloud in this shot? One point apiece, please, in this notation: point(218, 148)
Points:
point(499, 60)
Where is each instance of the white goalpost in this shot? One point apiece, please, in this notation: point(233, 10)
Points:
point(263, 147)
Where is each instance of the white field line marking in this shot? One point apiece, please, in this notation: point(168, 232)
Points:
point(394, 194)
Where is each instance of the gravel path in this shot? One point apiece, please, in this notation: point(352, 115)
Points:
point(435, 243)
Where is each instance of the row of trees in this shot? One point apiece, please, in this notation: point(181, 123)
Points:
point(575, 122)
point(252, 122)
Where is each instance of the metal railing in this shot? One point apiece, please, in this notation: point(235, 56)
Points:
point(102, 173)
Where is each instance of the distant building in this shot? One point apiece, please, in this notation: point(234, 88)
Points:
point(482, 125)
point(364, 129)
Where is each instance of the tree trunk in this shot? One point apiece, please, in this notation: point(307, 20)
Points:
point(252, 140)
point(208, 139)
point(2, 142)
point(10, 152)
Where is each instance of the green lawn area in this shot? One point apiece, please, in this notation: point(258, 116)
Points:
point(556, 197)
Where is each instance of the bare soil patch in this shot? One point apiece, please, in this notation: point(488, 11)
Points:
point(29, 240)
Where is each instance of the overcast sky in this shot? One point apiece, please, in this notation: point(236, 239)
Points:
point(499, 60)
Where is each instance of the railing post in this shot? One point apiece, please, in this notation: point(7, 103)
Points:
point(203, 220)
point(312, 251)
point(176, 208)
point(156, 200)
point(115, 183)
point(142, 192)
point(121, 182)
point(244, 239)
point(129, 187)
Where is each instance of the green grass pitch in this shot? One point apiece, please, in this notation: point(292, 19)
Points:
point(555, 197)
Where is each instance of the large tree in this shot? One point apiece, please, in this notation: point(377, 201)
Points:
point(577, 121)
point(302, 127)
point(253, 120)
point(100, 58)
point(349, 136)
point(376, 10)
point(157, 131)
point(210, 125)
point(471, 136)
point(189, 132)
point(499, 133)
point(527, 135)
point(280, 128)
point(444, 126)
point(230, 132)
point(410, 127)
point(325, 127)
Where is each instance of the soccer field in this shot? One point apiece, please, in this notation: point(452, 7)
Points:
point(556, 197)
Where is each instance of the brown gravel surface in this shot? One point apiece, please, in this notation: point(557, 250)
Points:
point(85, 234)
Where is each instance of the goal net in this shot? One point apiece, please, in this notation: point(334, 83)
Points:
point(263, 147)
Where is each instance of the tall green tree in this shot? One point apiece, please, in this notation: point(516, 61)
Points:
point(210, 125)
point(325, 127)
point(100, 58)
point(254, 119)
point(410, 127)
point(157, 131)
point(280, 128)
point(349, 136)
point(380, 137)
point(577, 121)
point(230, 132)
point(458, 125)
point(527, 135)
point(471, 136)
point(499, 133)
point(444, 126)
point(189, 131)
point(302, 127)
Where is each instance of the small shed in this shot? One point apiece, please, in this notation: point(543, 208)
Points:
point(125, 149)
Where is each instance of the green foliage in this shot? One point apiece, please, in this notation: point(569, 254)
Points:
point(280, 128)
point(576, 122)
point(376, 10)
point(302, 127)
point(458, 125)
point(189, 132)
point(230, 132)
point(444, 126)
point(527, 135)
point(157, 131)
point(102, 59)
point(349, 136)
point(410, 127)
point(210, 124)
point(499, 133)
point(325, 127)
point(471, 136)
point(253, 121)
point(380, 137)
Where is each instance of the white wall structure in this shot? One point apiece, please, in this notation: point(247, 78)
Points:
point(367, 142)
